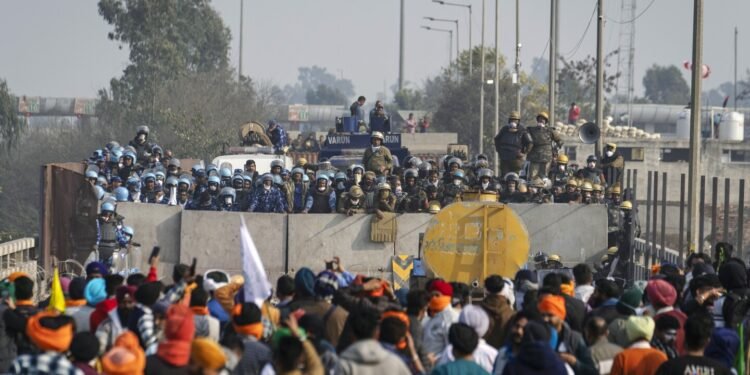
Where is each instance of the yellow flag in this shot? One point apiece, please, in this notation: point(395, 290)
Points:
point(57, 298)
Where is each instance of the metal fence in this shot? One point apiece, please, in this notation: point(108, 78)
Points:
point(644, 250)
point(661, 208)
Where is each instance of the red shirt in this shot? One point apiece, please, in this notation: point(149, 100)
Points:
point(574, 113)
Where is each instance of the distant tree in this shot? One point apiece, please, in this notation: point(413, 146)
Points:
point(11, 126)
point(409, 99)
point(325, 95)
point(576, 82)
point(310, 78)
point(166, 39)
point(540, 69)
point(665, 85)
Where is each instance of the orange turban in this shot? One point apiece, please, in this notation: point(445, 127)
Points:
point(207, 354)
point(13, 276)
point(49, 330)
point(568, 289)
point(553, 305)
point(126, 357)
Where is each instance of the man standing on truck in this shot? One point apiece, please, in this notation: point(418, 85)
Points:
point(377, 157)
point(357, 109)
point(277, 134)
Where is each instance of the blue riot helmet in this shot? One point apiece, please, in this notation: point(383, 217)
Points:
point(92, 175)
point(134, 182)
point(276, 166)
point(107, 207)
point(459, 174)
point(212, 169)
point(267, 177)
point(174, 164)
point(111, 145)
point(214, 183)
point(128, 232)
point(339, 177)
point(247, 182)
point(225, 173)
point(128, 155)
point(320, 178)
point(171, 182)
point(183, 183)
point(277, 180)
point(157, 150)
point(101, 181)
point(305, 178)
point(196, 168)
point(227, 196)
point(122, 194)
point(238, 171)
point(115, 155)
point(297, 170)
point(99, 192)
point(238, 182)
point(160, 176)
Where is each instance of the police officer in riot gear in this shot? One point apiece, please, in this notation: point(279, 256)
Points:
point(485, 182)
point(352, 202)
point(612, 165)
point(321, 199)
point(560, 174)
point(227, 200)
point(141, 144)
point(107, 232)
point(545, 143)
point(296, 191)
point(512, 143)
point(591, 172)
point(415, 199)
point(384, 202)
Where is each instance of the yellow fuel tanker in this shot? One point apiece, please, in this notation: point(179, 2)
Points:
point(468, 241)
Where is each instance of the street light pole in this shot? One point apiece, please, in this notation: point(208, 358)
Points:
point(242, 13)
point(497, 77)
point(450, 45)
point(458, 40)
point(695, 124)
point(468, 6)
point(481, 89)
point(599, 73)
point(518, 59)
point(401, 50)
point(552, 61)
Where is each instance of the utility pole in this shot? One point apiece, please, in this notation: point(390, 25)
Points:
point(552, 60)
point(242, 13)
point(497, 76)
point(599, 74)
point(401, 50)
point(735, 68)
point(481, 90)
point(695, 125)
point(518, 59)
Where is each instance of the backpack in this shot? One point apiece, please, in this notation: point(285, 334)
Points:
point(735, 309)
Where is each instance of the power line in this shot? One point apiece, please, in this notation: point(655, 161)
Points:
point(580, 41)
point(634, 18)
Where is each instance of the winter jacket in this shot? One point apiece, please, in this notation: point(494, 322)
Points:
point(574, 344)
point(436, 330)
point(535, 358)
point(368, 357)
point(499, 311)
point(7, 344)
point(334, 317)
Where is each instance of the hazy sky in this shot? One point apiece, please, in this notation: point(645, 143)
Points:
point(60, 48)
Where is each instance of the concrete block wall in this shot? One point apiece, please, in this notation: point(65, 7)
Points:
point(288, 242)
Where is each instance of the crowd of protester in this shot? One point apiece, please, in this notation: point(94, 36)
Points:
point(683, 320)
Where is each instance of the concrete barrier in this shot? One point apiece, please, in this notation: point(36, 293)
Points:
point(315, 238)
point(288, 242)
point(154, 225)
point(213, 238)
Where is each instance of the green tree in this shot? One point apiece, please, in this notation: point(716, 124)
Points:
point(167, 39)
point(576, 83)
point(11, 126)
point(455, 103)
point(409, 99)
point(665, 85)
point(309, 79)
point(325, 95)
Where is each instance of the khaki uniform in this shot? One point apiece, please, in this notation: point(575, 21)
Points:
point(378, 161)
point(541, 153)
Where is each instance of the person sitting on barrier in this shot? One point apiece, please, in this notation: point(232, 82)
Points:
point(385, 201)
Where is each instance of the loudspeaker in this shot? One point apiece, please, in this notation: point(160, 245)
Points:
point(589, 133)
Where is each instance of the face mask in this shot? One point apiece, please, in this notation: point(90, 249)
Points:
point(513, 124)
point(354, 201)
point(562, 168)
point(321, 188)
point(399, 190)
point(159, 183)
point(213, 187)
point(532, 190)
point(540, 124)
point(610, 153)
point(120, 165)
point(485, 185)
point(357, 178)
point(375, 148)
point(156, 159)
point(340, 186)
point(457, 182)
point(592, 165)
point(228, 201)
point(141, 137)
point(266, 187)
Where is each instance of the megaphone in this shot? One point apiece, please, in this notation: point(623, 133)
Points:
point(589, 133)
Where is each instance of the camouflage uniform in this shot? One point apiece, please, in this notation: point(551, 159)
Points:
point(378, 161)
point(540, 154)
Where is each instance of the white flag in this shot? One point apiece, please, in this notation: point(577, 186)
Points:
point(257, 288)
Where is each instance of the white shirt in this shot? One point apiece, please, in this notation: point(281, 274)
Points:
point(584, 292)
point(484, 355)
point(436, 330)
